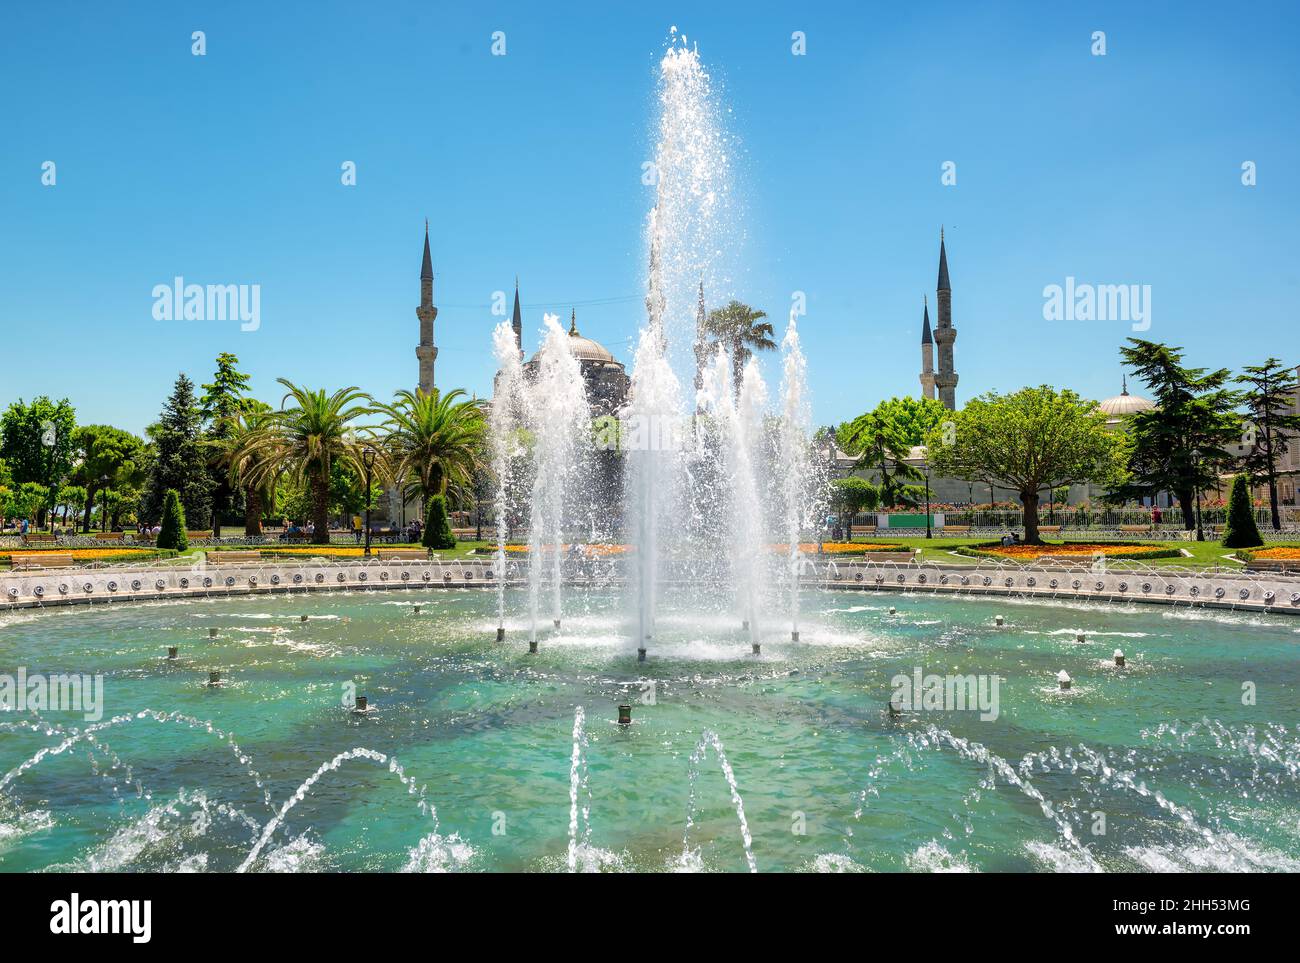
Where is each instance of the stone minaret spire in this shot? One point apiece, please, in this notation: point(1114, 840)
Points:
point(426, 351)
point(927, 354)
point(945, 334)
point(517, 322)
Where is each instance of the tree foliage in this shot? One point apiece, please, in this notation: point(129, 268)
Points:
point(1269, 399)
point(1180, 446)
point(1030, 441)
point(172, 531)
point(1240, 530)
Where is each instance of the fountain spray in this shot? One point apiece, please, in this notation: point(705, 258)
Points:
point(503, 423)
point(793, 462)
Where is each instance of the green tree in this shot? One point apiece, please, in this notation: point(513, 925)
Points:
point(172, 532)
point(1240, 530)
point(852, 495)
point(913, 420)
point(241, 461)
point(221, 401)
point(1180, 445)
point(882, 446)
point(437, 528)
point(36, 444)
point(433, 441)
point(104, 451)
point(306, 440)
point(1269, 400)
point(742, 331)
point(1030, 441)
point(181, 460)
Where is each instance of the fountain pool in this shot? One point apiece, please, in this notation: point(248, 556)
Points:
point(476, 757)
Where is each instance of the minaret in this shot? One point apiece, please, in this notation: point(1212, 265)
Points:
point(945, 334)
point(517, 322)
point(426, 351)
point(927, 354)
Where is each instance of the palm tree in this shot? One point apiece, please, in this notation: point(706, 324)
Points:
point(737, 327)
point(305, 440)
point(242, 461)
point(433, 441)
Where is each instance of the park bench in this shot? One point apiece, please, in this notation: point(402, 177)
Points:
point(1136, 529)
point(955, 530)
point(198, 536)
point(1288, 566)
point(109, 536)
point(38, 539)
point(396, 554)
point(225, 558)
point(883, 557)
point(1051, 529)
point(50, 560)
point(857, 530)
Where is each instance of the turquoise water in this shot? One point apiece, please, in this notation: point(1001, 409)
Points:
point(484, 732)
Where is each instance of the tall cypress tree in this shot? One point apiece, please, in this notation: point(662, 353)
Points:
point(1240, 530)
point(1179, 446)
point(181, 461)
point(222, 400)
point(1269, 398)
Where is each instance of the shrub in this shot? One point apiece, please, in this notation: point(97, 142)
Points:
point(1240, 530)
point(437, 527)
point(172, 534)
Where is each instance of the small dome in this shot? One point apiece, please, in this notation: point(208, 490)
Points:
point(584, 349)
point(1124, 404)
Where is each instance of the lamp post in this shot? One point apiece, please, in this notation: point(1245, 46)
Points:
point(368, 459)
point(103, 503)
point(929, 532)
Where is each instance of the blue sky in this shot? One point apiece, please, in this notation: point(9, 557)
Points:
point(226, 169)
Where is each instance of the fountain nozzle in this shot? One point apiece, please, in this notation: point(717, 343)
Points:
point(415, 610)
point(1063, 679)
point(640, 654)
point(794, 635)
point(999, 620)
point(214, 679)
point(556, 623)
point(1080, 637)
point(212, 633)
point(171, 652)
point(532, 647)
point(757, 649)
point(501, 633)
point(625, 715)
point(1119, 658)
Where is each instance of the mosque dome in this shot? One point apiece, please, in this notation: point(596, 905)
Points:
point(1118, 408)
point(584, 349)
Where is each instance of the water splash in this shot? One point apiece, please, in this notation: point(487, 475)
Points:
point(579, 786)
point(792, 459)
point(504, 423)
point(710, 740)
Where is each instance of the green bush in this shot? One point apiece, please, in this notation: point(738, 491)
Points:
point(437, 526)
point(172, 534)
point(1240, 530)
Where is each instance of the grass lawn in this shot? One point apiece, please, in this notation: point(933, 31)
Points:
point(1202, 554)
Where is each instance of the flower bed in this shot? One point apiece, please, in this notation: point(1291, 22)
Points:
point(594, 549)
point(1030, 553)
point(1280, 553)
point(87, 554)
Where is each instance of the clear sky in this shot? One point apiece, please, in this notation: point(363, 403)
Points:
point(225, 168)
